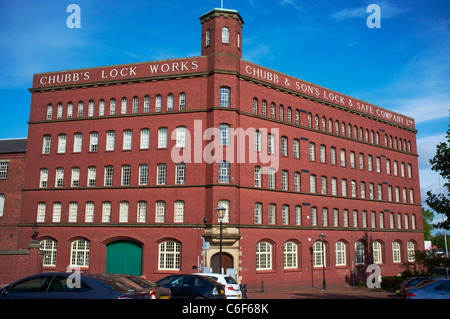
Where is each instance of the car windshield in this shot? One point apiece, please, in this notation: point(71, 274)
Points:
point(142, 282)
point(230, 280)
point(113, 284)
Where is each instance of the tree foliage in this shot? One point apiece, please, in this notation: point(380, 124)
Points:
point(441, 163)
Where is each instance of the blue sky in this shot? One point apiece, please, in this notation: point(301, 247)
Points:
point(403, 66)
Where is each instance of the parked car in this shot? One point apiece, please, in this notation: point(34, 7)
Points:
point(438, 288)
point(193, 286)
point(155, 291)
point(232, 288)
point(412, 282)
point(58, 285)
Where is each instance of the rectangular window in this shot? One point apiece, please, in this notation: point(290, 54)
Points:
point(75, 180)
point(56, 212)
point(126, 174)
point(123, 212)
point(224, 97)
point(123, 109)
point(59, 179)
point(182, 102)
point(145, 138)
point(312, 183)
point(296, 148)
point(181, 136)
point(89, 212)
point(106, 212)
point(271, 177)
point(110, 140)
point(147, 104)
point(3, 170)
point(127, 139)
point(135, 107)
point(284, 148)
point(142, 212)
point(61, 143)
point(285, 215)
point(257, 141)
point(112, 107)
point(92, 176)
point(73, 212)
point(284, 180)
point(78, 138)
point(160, 211)
point(224, 172)
point(258, 213)
point(297, 181)
point(162, 137)
point(40, 213)
point(93, 142)
point(109, 171)
point(46, 144)
point(143, 174)
point(43, 178)
point(272, 213)
point(178, 211)
point(180, 173)
point(257, 176)
point(161, 174)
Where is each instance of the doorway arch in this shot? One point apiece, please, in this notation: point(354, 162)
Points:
point(227, 262)
point(124, 257)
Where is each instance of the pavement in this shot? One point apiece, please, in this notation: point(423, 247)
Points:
point(338, 292)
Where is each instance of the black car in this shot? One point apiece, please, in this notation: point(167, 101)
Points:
point(71, 286)
point(193, 287)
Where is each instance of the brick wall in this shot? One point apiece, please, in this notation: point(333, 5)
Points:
point(30, 261)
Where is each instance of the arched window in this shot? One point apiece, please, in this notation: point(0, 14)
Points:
point(377, 252)
point(169, 255)
point(48, 246)
point(340, 251)
point(2, 204)
point(411, 251)
point(225, 35)
point(319, 254)
point(182, 101)
point(258, 213)
point(79, 254)
point(290, 255)
point(396, 252)
point(359, 253)
point(263, 256)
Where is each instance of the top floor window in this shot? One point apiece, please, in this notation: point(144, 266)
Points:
point(225, 35)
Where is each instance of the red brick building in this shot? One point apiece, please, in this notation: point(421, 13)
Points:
point(125, 162)
point(12, 177)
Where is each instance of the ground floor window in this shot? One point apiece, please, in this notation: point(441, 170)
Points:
point(169, 255)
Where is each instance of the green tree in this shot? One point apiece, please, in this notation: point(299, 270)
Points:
point(440, 163)
point(428, 226)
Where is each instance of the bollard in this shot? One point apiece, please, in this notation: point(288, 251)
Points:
point(262, 285)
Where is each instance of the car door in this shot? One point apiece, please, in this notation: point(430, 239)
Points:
point(174, 284)
point(29, 288)
point(192, 286)
point(443, 290)
point(58, 289)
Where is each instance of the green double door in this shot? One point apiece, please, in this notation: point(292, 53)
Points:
point(124, 257)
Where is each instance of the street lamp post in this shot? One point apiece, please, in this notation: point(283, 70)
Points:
point(220, 211)
point(322, 239)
